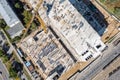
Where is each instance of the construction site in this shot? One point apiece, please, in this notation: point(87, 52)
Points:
point(68, 39)
point(47, 53)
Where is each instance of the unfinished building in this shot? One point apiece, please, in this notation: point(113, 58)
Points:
point(47, 54)
point(73, 29)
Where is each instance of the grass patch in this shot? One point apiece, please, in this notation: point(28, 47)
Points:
point(102, 1)
point(113, 7)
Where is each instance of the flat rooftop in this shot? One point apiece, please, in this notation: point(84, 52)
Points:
point(47, 53)
point(11, 19)
point(74, 28)
point(16, 30)
point(7, 13)
point(91, 14)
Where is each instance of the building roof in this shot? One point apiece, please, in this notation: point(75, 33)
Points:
point(14, 31)
point(74, 28)
point(91, 14)
point(11, 19)
point(7, 13)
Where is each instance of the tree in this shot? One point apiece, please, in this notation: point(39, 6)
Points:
point(12, 72)
point(16, 39)
point(5, 59)
point(2, 23)
point(1, 53)
point(27, 16)
point(33, 26)
point(17, 5)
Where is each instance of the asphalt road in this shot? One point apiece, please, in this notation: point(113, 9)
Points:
point(5, 74)
point(111, 72)
point(97, 66)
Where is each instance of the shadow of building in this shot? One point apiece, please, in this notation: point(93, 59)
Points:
point(93, 16)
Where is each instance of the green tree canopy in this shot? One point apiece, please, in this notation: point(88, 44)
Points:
point(17, 5)
point(1, 53)
point(12, 72)
point(2, 23)
point(27, 16)
point(33, 26)
point(117, 10)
